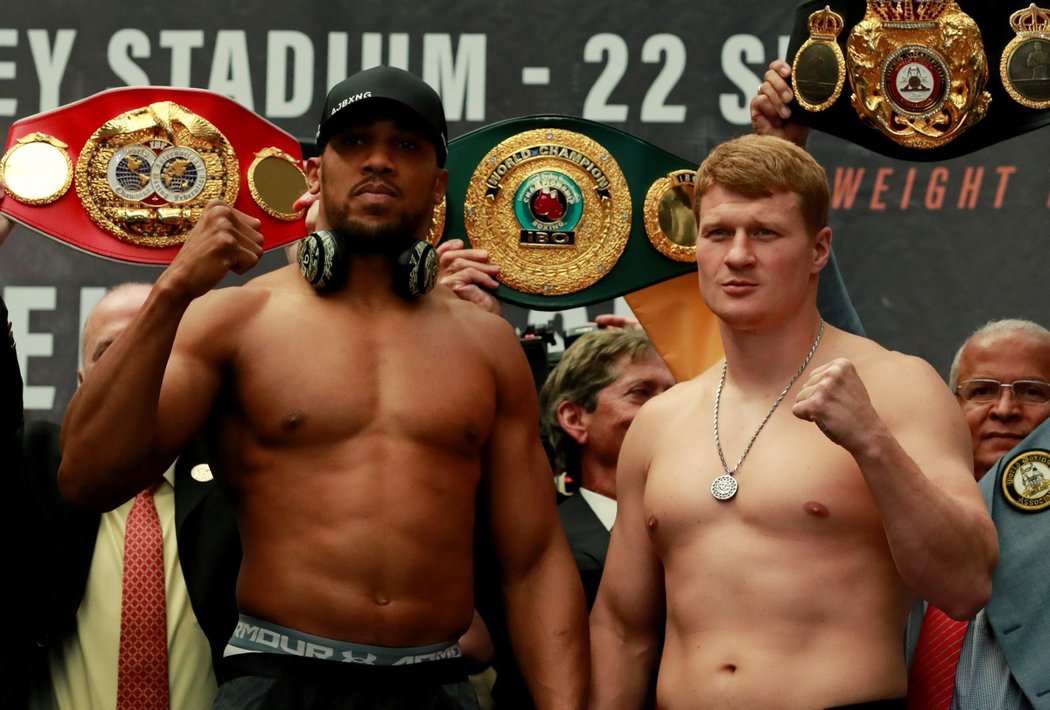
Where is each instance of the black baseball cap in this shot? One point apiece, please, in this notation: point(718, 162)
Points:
point(390, 84)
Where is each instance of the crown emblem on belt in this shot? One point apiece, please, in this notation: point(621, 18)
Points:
point(825, 24)
point(908, 10)
point(1034, 20)
point(1025, 64)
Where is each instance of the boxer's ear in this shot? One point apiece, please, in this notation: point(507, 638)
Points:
point(313, 175)
point(821, 249)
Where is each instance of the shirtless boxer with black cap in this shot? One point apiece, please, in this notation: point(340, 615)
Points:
point(354, 428)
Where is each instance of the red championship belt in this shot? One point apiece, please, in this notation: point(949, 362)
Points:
point(126, 173)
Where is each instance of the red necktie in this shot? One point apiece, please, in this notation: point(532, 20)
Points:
point(142, 666)
point(931, 682)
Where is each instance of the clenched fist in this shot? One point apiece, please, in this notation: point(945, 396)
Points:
point(836, 400)
point(223, 240)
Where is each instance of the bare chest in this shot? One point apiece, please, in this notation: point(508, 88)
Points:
point(793, 484)
point(340, 377)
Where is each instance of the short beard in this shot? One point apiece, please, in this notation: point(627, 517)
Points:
point(389, 239)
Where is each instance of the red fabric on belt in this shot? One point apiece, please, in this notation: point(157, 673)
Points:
point(66, 220)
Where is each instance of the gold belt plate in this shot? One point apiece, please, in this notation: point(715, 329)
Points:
point(918, 71)
point(552, 208)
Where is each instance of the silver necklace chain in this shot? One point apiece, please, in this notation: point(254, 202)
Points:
point(725, 486)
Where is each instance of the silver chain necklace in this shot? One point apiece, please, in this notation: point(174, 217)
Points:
point(725, 486)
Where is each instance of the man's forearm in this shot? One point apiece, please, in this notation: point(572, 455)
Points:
point(945, 548)
point(109, 430)
point(547, 620)
point(621, 664)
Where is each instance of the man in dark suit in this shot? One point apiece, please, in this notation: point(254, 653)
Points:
point(587, 403)
point(75, 628)
point(16, 521)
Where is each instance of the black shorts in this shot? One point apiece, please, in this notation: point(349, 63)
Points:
point(265, 680)
point(891, 704)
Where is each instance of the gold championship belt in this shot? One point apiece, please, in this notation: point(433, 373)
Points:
point(669, 220)
point(572, 211)
point(919, 73)
point(552, 207)
point(918, 70)
point(145, 162)
point(146, 175)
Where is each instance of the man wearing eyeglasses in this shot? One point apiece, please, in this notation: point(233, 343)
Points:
point(1001, 379)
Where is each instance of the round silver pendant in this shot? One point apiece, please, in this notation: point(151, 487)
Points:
point(724, 487)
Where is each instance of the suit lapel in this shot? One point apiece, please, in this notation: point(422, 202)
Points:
point(585, 531)
point(189, 491)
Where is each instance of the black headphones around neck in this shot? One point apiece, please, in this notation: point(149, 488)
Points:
point(323, 262)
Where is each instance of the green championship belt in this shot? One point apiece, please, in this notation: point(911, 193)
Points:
point(572, 211)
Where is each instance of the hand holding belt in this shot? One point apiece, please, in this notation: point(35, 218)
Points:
point(143, 162)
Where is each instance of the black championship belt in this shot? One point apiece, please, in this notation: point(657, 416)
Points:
point(921, 79)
